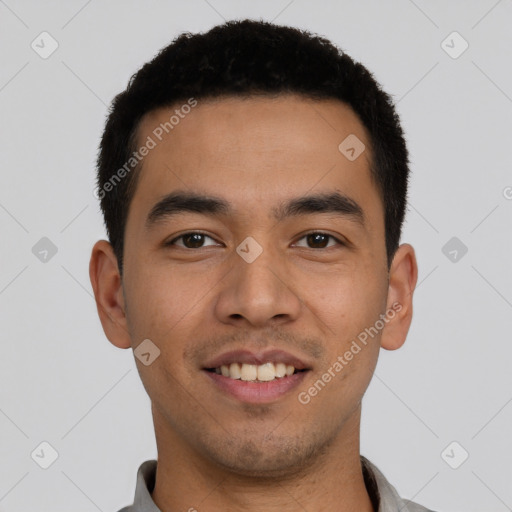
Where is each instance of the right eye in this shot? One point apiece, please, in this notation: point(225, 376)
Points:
point(190, 240)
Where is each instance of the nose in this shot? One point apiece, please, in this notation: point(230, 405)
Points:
point(259, 293)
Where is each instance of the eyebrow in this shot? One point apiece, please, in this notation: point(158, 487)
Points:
point(184, 201)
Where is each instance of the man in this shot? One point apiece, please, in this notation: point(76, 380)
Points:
point(253, 182)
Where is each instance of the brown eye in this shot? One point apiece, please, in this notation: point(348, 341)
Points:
point(319, 240)
point(192, 240)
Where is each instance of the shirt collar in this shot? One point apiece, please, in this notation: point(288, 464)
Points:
point(143, 502)
point(383, 495)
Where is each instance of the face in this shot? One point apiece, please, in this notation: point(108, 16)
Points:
point(256, 274)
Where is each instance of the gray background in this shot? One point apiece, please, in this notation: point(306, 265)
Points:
point(62, 381)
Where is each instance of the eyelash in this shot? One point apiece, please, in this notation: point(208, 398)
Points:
point(171, 242)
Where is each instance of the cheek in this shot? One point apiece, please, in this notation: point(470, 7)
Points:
point(348, 302)
point(164, 307)
point(165, 301)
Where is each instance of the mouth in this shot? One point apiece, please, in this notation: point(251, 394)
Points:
point(265, 372)
point(256, 378)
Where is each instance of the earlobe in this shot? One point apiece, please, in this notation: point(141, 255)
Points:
point(108, 293)
point(403, 276)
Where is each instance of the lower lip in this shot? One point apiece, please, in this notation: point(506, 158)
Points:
point(257, 392)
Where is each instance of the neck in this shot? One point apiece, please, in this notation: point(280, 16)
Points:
point(188, 480)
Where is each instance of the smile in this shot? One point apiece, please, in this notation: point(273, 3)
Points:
point(266, 372)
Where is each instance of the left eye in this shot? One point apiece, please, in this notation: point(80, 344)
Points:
point(319, 240)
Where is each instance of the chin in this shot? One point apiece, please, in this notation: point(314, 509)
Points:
point(267, 458)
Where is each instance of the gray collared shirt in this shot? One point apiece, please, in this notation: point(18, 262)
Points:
point(383, 495)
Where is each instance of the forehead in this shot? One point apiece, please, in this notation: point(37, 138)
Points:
point(254, 149)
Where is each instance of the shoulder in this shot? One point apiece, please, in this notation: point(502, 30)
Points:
point(387, 496)
point(415, 507)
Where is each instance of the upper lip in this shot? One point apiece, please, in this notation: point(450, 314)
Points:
point(256, 358)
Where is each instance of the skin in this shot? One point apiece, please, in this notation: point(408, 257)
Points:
point(214, 452)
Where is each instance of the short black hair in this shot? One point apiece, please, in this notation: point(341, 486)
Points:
point(244, 58)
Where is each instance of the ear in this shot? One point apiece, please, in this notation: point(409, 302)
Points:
point(403, 276)
point(108, 293)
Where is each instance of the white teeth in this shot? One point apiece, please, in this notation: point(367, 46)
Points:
point(280, 370)
point(266, 372)
point(234, 371)
point(250, 372)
